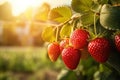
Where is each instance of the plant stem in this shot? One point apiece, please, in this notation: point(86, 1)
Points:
point(95, 24)
point(58, 27)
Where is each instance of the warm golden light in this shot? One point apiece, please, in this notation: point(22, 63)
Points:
point(20, 6)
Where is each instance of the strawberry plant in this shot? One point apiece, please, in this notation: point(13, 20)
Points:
point(90, 26)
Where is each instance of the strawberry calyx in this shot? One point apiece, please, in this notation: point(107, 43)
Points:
point(93, 36)
point(116, 33)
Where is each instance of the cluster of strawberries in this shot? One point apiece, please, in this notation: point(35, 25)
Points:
point(71, 48)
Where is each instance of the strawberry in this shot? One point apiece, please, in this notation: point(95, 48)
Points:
point(71, 57)
point(64, 43)
point(99, 49)
point(79, 38)
point(117, 41)
point(53, 51)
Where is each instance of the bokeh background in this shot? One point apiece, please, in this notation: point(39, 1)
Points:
point(23, 54)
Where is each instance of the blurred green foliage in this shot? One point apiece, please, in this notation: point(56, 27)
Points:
point(27, 62)
point(32, 63)
point(90, 70)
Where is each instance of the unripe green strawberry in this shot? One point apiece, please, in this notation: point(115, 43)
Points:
point(64, 43)
point(99, 49)
point(53, 51)
point(71, 57)
point(79, 38)
point(117, 41)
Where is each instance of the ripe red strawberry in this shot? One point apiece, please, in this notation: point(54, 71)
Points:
point(64, 43)
point(71, 57)
point(117, 41)
point(79, 38)
point(53, 51)
point(99, 49)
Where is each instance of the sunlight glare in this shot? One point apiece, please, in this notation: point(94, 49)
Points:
point(19, 6)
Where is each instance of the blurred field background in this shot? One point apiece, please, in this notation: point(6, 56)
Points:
point(27, 63)
point(23, 54)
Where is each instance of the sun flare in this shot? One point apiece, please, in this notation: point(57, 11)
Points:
point(20, 6)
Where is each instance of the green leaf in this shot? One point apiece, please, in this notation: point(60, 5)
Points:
point(81, 6)
point(101, 1)
point(115, 2)
point(114, 60)
point(60, 14)
point(86, 69)
point(48, 34)
point(66, 30)
point(42, 12)
point(67, 75)
point(110, 17)
point(87, 19)
point(96, 8)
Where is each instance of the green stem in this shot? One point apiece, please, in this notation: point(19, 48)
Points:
point(74, 25)
point(58, 28)
point(101, 69)
point(95, 29)
point(57, 34)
